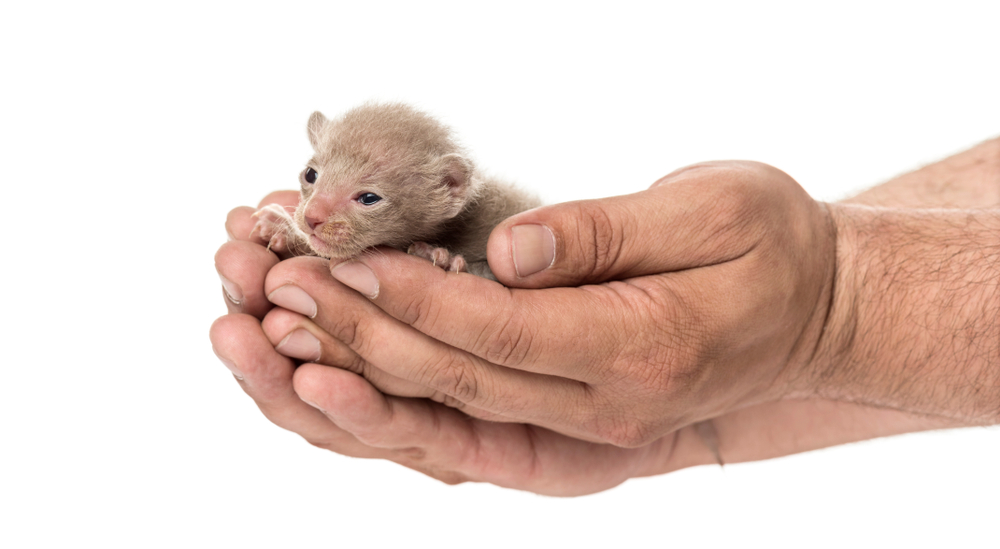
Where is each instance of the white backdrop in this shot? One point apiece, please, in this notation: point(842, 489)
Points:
point(129, 130)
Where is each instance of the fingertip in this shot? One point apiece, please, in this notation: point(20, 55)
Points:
point(239, 223)
point(285, 198)
point(242, 267)
point(304, 272)
point(358, 276)
point(543, 248)
point(223, 329)
point(237, 340)
point(347, 398)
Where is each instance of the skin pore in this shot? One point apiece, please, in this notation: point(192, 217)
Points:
point(810, 404)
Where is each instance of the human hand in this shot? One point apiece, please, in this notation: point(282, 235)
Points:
point(438, 434)
point(757, 432)
point(713, 292)
point(359, 421)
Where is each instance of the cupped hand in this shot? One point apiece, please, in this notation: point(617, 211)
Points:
point(341, 411)
point(705, 294)
point(700, 220)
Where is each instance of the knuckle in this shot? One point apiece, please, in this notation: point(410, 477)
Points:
point(626, 433)
point(364, 339)
point(356, 365)
point(508, 343)
point(348, 330)
point(413, 454)
point(419, 309)
point(605, 238)
point(454, 378)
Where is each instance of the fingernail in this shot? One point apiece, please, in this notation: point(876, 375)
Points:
point(232, 290)
point(295, 299)
point(533, 248)
point(229, 364)
point(358, 276)
point(300, 344)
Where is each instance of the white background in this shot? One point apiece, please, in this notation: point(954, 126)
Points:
point(127, 132)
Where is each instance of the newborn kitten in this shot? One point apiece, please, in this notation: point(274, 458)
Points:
point(390, 175)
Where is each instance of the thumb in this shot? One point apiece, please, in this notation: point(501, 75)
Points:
point(701, 215)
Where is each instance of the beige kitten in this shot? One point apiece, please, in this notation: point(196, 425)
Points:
point(390, 175)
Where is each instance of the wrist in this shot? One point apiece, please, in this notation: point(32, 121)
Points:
point(839, 336)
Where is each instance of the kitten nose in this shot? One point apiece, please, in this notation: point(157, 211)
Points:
point(313, 222)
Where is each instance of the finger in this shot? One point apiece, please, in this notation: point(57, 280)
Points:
point(239, 222)
point(298, 337)
point(289, 199)
point(454, 377)
point(266, 377)
point(702, 215)
point(599, 335)
point(572, 333)
point(448, 445)
point(242, 267)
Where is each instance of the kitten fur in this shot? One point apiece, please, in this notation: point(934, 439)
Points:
point(431, 192)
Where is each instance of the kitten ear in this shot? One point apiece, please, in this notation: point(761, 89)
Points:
point(456, 173)
point(314, 127)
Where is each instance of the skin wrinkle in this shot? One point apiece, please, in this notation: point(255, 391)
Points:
point(828, 305)
point(534, 470)
point(449, 374)
point(614, 368)
point(657, 350)
point(511, 344)
point(595, 259)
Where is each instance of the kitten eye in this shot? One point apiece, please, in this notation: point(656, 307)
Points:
point(311, 175)
point(369, 198)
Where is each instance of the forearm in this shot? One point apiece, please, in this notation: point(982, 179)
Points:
point(912, 325)
point(970, 179)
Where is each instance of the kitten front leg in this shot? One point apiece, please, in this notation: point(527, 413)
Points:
point(440, 257)
point(276, 227)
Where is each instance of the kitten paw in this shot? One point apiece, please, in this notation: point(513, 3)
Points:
point(440, 257)
point(273, 225)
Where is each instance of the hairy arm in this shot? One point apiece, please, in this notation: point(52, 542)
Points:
point(919, 291)
point(914, 315)
point(969, 180)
